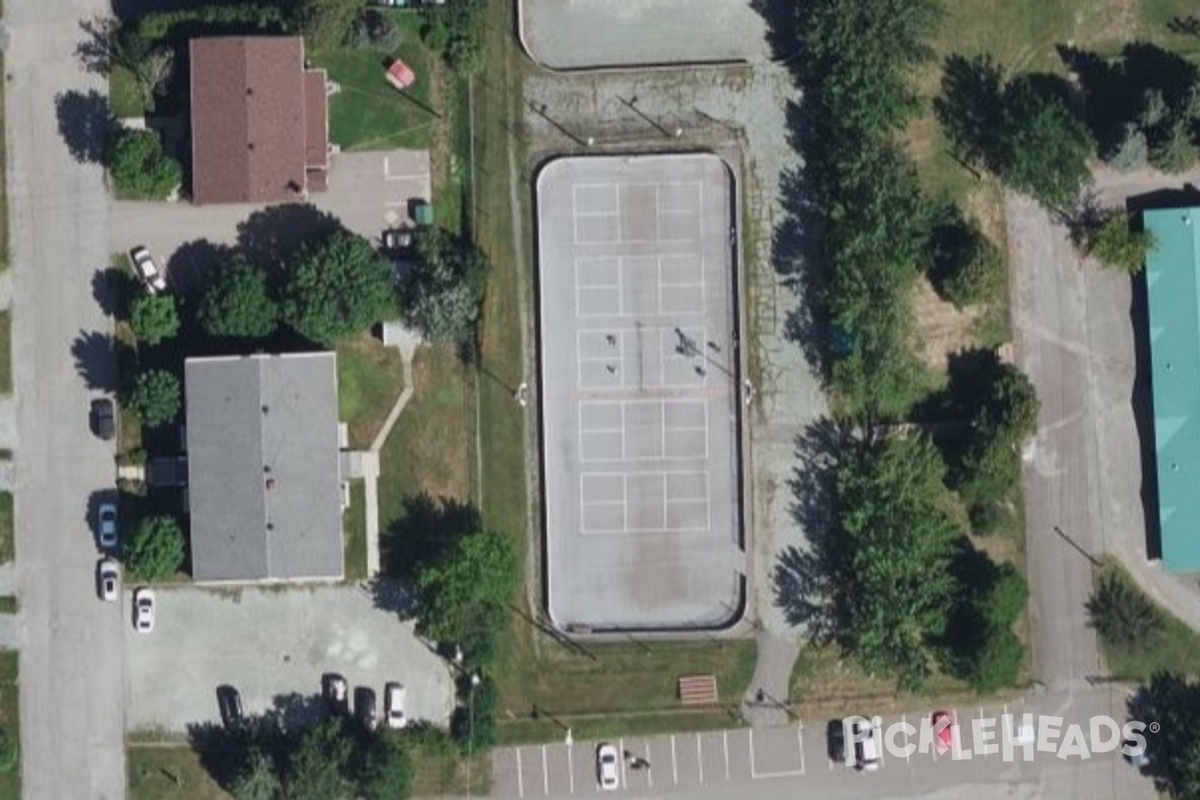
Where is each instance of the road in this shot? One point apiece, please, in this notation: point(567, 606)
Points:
point(72, 660)
point(1061, 477)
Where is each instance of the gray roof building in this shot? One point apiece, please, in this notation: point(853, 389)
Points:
point(263, 468)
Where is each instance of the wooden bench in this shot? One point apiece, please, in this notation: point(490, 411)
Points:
point(698, 690)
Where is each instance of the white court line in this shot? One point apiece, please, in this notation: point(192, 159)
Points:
point(625, 505)
point(725, 737)
point(662, 438)
point(657, 229)
point(571, 766)
point(674, 762)
point(649, 769)
point(700, 757)
point(545, 773)
point(618, 196)
point(520, 776)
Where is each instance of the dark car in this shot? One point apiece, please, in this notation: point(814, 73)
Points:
point(229, 701)
point(398, 241)
point(337, 697)
point(835, 741)
point(104, 422)
point(365, 708)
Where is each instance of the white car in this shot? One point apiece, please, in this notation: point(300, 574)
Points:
point(147, 271)
point(394, 695)
point(108, 578)
point(608, 767)
point(143, 610)
point(108, 526)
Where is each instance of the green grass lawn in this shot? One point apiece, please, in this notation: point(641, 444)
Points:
point(368, 113)
point(1175, 648)
point(7, 551)
point(5, 352)
point(8, 605)
point(10, 720)
point(369, 381)
point(354, 524)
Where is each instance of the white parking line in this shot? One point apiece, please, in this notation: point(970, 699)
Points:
point(545, 773)
point(571, 766)
point(520, 777)
point(800, 745)
point(725, 738)
point(700, 757)
point(674, 763)
point(752, 770)
point(621, 744)
point(649, 769)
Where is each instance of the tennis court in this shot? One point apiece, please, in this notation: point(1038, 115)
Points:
point(640, 392)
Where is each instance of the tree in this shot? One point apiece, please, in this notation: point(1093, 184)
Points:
point(1174, 152)
point(330, 23)
point(1173, 703)
point(1120, 613)
point(442, 294)
point(154, 317)
point(1115, 244)
point(257, 779)
point(462, 596)
point(155, 397)
point(339, 285)
point(1007, 414)
point(971, 108)
point(1132, 151)
point(139, 167)
point(1005, 599)
point(890, 567)
point(997, 663)
point(239, 303)
point(318, 766)
point(473, 724)
point(387, 769)
point(457, 31)
point(155, 551)
point(1046, 148)
point(964, 266)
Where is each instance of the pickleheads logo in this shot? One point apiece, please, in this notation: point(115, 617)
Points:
point(1007, 735)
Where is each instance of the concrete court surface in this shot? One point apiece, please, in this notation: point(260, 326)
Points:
point(578, 34)
point(640, 391)
point(792, 761)
point(368, 192)
point(269, 643)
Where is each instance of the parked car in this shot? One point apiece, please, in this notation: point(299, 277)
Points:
point(394, 697)
point(108, 579)
point(835, 741)
point(108, 526)
point(866, 751)
point(364, 707)
point(143, 610)
point(229, 702)
point(104, 418)
point(946, 734)
point(607, 766)
point(147, 271)
point(398, 241)
point(337, 695)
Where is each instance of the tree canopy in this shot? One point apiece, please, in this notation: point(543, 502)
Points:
point(155, 397)
point(892, 565)
point(139, 166)
point(1115, 244)
point(154, 317)
point(155, 551)
point(1173, 702)
point(319, 764)
point(441, 295)
point(338, 285)
point(329, 23)
point(238, 303)
point(257, 779)
point(387, 770)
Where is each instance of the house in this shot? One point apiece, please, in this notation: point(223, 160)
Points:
point(263, 468)
point(1173, 300)
point(259, 118)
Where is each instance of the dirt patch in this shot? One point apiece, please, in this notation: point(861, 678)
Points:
point(942, 329)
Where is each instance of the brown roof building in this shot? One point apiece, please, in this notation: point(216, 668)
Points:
point(260, 129)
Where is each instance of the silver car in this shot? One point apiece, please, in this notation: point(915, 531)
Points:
point(147, 271)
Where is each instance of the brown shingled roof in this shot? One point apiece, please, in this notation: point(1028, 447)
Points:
point(255, 114)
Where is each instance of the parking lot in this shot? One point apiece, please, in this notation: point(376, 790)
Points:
point(794, 761)
point(270, 644)
point(368, 192)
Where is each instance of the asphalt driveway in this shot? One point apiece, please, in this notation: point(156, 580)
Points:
point(269, 644)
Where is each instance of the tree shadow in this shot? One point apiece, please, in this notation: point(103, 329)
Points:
point(966, 632)
point(271, 236)
point(970, 108)
point(95, 52)
point(395, 595)
point(84, 122)
point(428, 528)
point(803, 580)
point(783, 28)
point(193, 265)
point(96, 357)
point(113, 289)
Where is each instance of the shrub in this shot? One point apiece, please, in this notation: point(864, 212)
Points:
point(1120, 613)
point(154, 398)
point(1131, 151)
point(997, 662)
point(442, 294)
point(1115, 244)
point(139, 167)
point(1175, 153)
point(239, 303)
point(155, 551)
point(154, 317)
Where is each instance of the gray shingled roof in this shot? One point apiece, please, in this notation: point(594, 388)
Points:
point(263, 481)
